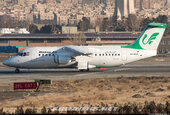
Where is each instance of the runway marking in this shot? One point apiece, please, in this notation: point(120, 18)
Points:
point(118, 70)
point(84, 74)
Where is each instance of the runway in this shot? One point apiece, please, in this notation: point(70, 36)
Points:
point(137, 69)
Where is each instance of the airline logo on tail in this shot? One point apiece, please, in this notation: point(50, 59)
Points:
point(150, 40)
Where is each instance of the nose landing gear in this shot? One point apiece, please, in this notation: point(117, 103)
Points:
point(17, 70)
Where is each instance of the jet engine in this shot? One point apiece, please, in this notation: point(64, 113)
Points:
point(63, 60)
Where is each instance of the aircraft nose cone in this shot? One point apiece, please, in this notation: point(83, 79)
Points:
point(6, 62)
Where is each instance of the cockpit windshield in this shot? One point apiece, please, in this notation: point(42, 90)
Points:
point(23, 54)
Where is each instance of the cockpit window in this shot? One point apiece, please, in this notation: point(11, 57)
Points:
point(23, 54)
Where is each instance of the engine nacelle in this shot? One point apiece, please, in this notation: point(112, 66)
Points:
point(61, 59)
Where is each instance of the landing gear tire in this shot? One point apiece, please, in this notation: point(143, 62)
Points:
point(82, 70)
point(17, 71)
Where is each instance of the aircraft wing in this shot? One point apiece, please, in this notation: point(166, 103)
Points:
point(75, 52)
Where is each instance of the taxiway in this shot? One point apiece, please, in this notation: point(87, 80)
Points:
point(136, 69)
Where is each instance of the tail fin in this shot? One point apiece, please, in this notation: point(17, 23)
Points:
point(150, 37)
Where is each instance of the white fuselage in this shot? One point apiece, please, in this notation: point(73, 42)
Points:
point(98, 56)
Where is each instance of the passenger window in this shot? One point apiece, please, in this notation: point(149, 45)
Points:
point(49, 54)
point(42, 54)
point(39, 54)
point(95, 54)
point(106, 54)
point(118, 54)
point(46, 54)
point(99, 54)
point(112, 54)
point(103, 54)
point(115, 54)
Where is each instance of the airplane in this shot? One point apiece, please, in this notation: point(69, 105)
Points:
point(86, 57)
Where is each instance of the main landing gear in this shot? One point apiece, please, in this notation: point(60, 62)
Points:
point(17, 70)
point(83, 70)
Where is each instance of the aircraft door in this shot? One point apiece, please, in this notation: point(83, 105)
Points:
point(124, 54)
point(34, 54)
point(56, 57)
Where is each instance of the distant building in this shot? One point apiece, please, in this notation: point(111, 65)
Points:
point(5, 31)
point(123, 8)
point(147, 4)
point(138, 4)
point(150, 4)
point(167, 3)
point(13, 30)
point(69, 30)
point(22, 31)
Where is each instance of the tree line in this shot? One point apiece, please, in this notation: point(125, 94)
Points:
point(45, 29)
